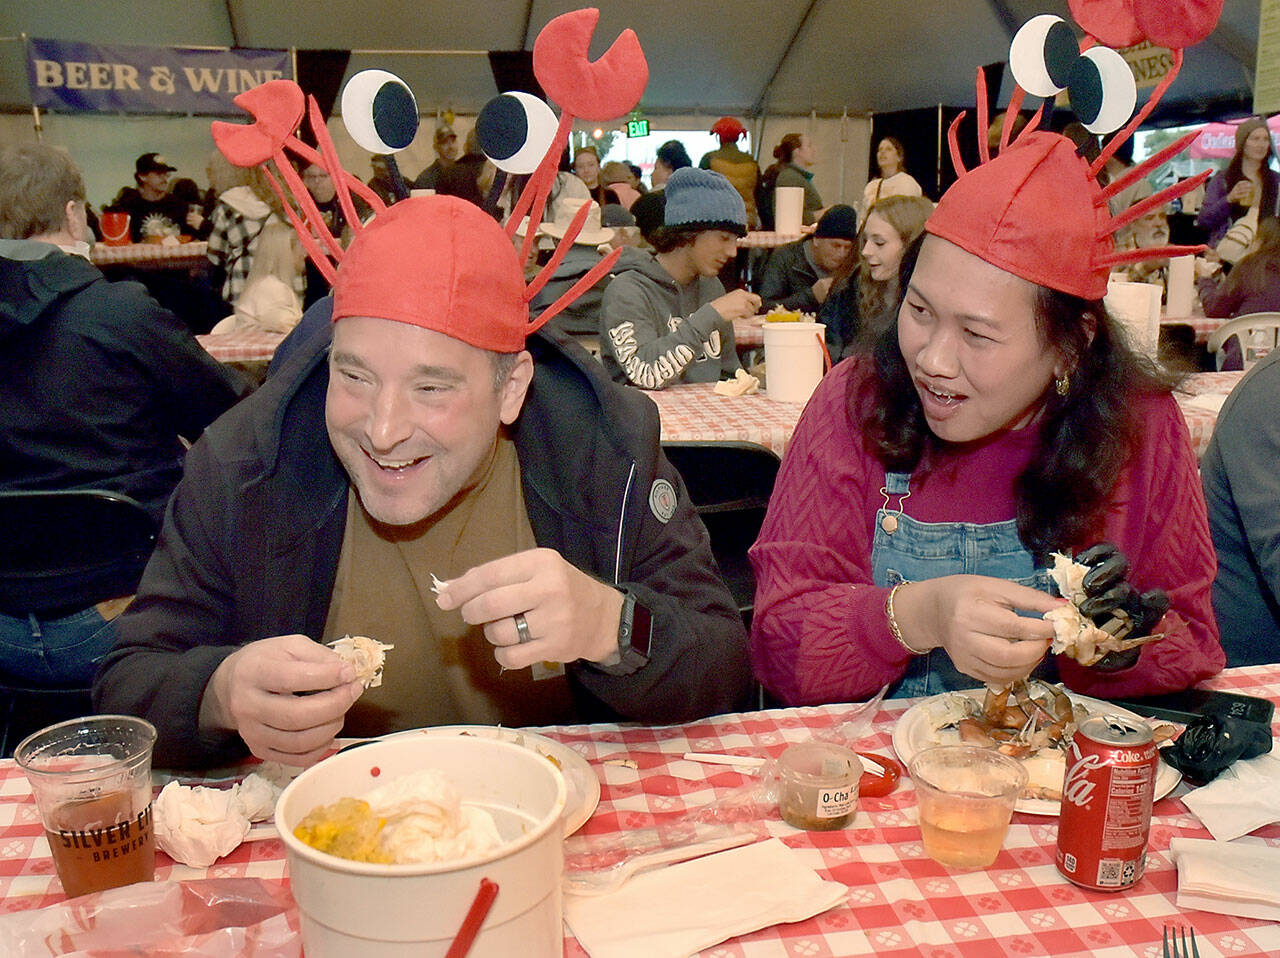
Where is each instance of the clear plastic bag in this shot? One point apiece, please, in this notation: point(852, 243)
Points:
point(209, 918)
point(595, 864)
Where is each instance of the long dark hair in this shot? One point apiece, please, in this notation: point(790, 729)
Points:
point(1086, 436)
point(1234, 172)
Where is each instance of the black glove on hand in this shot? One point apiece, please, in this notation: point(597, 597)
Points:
point(1111, 602)
point(1211, 743)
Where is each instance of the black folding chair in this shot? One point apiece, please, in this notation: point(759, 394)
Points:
point(729, 484)
point(63, 550)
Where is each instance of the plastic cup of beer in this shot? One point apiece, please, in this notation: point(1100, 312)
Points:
point(92, 783)
point(965, 796)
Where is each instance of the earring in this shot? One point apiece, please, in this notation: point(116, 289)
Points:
point(1063, 384)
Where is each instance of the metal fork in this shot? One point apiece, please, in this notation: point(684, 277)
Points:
point(1170, 939)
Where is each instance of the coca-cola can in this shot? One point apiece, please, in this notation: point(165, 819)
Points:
point(1107, 792)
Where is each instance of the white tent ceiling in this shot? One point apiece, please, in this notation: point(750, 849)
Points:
point(706, 57)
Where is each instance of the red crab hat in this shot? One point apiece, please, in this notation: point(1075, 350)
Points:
point(439, 262)
point(1037, 209)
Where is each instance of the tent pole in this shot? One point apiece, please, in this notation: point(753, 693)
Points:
point(35, 123)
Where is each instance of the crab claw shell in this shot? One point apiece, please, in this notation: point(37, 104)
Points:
point(276, 108)
point(1175, 24)
point(601, 90)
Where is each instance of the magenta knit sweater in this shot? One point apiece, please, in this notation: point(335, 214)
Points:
point(819, 632)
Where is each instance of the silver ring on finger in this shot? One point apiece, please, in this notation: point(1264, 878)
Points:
point(522, 628)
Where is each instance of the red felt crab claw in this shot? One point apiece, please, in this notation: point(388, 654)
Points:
point(1176, 24)
point(276, 108)
point(601, 90)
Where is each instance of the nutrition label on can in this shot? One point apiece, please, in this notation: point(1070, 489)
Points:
point(1128, 808)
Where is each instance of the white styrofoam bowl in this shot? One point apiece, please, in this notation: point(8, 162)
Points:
point(387, 911)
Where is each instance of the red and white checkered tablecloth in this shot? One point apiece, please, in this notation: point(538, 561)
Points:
point(246, 347)
point(900, 903)
point(151, 254)
point(694, 413)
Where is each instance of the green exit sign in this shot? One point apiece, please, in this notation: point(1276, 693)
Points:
point(637, 128)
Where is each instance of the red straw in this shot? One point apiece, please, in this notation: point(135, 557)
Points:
point(476, 914)
point(826, 356)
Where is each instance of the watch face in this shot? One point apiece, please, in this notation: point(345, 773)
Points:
point(641, 629)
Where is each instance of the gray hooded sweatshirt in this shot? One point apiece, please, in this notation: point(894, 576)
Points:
point(655, 332)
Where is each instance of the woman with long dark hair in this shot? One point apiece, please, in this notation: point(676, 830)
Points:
point(864, 288)
point(1253, 285)
point(1002, 418)
point(1247, 181)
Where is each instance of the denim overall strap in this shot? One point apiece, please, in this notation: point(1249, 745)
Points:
point(908, 550)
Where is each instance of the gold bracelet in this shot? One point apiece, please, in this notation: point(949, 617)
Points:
point(893, 621)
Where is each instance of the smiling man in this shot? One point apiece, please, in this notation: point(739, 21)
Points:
point(665, 317)
point(423, 474)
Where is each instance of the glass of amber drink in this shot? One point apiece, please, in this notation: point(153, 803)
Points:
point(92, 783)
point(965, 796)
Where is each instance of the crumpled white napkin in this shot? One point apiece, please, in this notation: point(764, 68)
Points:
point(197, 825)
point(1228, 878)
point(676, 911)
point(1244, 797)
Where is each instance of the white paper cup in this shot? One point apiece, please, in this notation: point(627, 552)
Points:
point(788, 209)
point(1181, 291)
point(1137, 307)
point(792, 360)
point(389, 911)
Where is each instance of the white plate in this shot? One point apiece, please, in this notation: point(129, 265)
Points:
point(583, 786)
point(915, 731)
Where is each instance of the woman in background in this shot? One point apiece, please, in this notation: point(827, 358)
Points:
point(269, 301)
point(586, 164)
point(894, 180)
point(793, 156)
point(1253, 285)
point(245, 206)
point(865, 288)
point(1248, 181)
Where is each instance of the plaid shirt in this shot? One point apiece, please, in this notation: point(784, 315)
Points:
point(232, 241)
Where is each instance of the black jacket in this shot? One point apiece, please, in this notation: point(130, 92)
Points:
point(97, 381)
point(788, 277)
point(250, 548)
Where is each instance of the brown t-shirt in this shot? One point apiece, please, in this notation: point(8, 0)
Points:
point(442, 671)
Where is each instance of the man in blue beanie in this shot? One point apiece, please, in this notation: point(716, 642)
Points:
point(666, 317)
point(798, 276)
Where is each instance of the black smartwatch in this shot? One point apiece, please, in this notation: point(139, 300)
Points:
point(635, 632)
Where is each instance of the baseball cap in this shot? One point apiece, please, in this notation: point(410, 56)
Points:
point(152, 163)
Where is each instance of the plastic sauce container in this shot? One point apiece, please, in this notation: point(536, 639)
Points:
point(819, 787)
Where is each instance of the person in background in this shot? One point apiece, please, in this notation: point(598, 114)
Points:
point(381, 182)
point(152, 211)
point(581, 319)
point(648, 209)
point(99, 387)
point(1001, 419)
point(1253, 285)
point(793, 158)
point(246, 205)
point(865, 288)
point(739, 167)
point(798, 276)
point(448, 148)
point(617, 177)
point(1118, 163)
point(427, 472)
point(320, 185)
point(894, 180)
point(197, 225)
point(1248, 181)
point(666, 317)
point(270, 302)
point(637, 178)
point(1242, 489)
point(586, 165)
